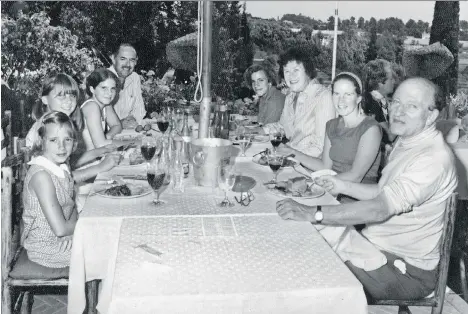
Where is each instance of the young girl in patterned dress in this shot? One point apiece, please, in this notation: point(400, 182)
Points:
point(50, 214)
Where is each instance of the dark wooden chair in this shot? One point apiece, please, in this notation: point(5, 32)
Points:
point(437, 300)
point(21, 277)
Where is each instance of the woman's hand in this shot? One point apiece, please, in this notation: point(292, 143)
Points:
point(109, 148)
point(65, 243)
point(110, 161)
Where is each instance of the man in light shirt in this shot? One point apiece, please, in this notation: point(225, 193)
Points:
point(129, 105)
point(396, 255)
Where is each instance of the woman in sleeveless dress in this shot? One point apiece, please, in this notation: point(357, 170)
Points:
point(101, 122)
point(353, 139)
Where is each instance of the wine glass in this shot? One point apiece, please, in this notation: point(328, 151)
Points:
point(163, 121)
point(226, 180)
point(275, 162)
point(149, 147)
point(156, 174)
point(276, 138)
point(464, 126)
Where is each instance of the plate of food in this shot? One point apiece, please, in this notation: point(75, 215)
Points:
point(129, 137)
point(297, 188)
point(123, 189)
point(262, 159)
point(324, 172)
point(132, 157)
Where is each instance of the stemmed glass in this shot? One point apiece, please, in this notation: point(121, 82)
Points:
point(149, 148)
point(275, 162)
point(156, 174)
point(276, 138)
point(226, 180)
point(243, 138)
point(163, 122)
point(464, 126)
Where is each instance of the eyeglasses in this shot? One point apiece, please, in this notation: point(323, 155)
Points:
point(407, 107)
point(245, 198)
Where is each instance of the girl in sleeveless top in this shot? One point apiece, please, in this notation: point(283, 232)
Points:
point(60, 93)
point(353, 139)
point(98, 112)
point(50, 215)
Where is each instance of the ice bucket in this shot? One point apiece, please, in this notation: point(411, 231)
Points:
point(206, 154)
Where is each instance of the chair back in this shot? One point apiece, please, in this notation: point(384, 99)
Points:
point(7, 222)
point(446, 245)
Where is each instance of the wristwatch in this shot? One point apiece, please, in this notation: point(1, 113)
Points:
point(319, 214)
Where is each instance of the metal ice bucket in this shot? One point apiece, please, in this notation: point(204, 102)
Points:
point(206, 154)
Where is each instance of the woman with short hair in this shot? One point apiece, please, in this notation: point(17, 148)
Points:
point(261, 78)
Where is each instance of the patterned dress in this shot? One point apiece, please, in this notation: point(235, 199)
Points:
point(40, 242)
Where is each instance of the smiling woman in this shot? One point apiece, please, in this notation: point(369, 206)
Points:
point(101, 86)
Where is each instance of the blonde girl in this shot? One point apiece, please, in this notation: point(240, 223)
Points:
point(50, 213)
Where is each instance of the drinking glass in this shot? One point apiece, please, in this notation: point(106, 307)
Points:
point(163, 121)
point(276, 138)
point(464, 126)
point(226, 180)
point(156, 174)
point(149, 147)
point(275, 162)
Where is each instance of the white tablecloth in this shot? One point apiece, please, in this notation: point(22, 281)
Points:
point(96, 236)
point(230, 264)
point(461, 153)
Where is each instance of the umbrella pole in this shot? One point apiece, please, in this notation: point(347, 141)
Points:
point(205, 107)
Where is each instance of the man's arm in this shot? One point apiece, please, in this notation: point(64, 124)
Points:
point(360, 191)
point(362, 212)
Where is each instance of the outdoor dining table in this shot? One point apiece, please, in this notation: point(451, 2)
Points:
point(212, 259)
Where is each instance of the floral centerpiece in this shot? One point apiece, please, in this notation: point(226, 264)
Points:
point(458, 104)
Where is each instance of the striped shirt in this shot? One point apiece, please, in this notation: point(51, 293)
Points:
point(305, 125)
point(130, 99)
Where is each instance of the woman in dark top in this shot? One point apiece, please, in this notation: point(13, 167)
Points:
point(262, 79)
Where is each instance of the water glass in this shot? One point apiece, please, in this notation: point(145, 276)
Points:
point(226, 181)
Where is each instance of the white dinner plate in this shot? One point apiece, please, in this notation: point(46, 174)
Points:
point(138, 188)
point(324, 172)
point(260, 138)
point(313, 191)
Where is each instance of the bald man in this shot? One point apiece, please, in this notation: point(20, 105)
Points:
point(396, 255)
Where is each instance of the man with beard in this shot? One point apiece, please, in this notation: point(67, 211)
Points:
point(129, 105)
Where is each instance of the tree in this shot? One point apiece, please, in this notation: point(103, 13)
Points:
point(371, 52)
point(33, 49)
point(331, 22)
point(445, 29)
point(360, 23)
point(352, 21)
point(386, 47)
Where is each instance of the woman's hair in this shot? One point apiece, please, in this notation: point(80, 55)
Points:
point(266, 68)
point(98, 76)
point(54, 117)
point(351, 77)
point(69, 86)
point(300, 55)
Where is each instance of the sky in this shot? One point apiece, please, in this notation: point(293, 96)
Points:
point(405, 10)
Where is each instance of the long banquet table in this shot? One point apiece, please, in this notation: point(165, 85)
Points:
point(208, 259)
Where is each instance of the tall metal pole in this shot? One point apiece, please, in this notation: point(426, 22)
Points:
point(205, 107)
point(335, 40)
